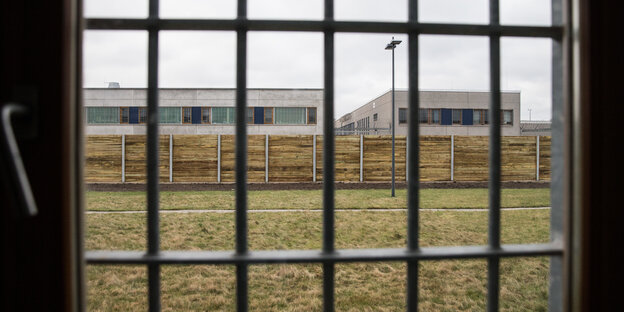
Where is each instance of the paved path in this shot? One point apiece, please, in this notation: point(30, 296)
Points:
point(308, 210)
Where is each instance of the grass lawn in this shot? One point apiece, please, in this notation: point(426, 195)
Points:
point(450, 285)
point(297, 199)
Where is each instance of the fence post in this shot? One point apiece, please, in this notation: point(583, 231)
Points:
point(266, 158)
point(452, 157)
point(314, 158)
point(123, 158)
point(219, 158)
point(361, 158)
point(171, 158)
point(537, 171)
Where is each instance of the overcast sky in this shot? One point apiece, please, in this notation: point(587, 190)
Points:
point(295, 60)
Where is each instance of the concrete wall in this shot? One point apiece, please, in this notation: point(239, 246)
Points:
point(435, 99)
point(205, 98)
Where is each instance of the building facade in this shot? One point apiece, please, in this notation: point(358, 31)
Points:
point(204, 111)
point(441, 113)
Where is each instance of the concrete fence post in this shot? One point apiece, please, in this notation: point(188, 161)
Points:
point(452, 157)
point(314, 158)
point(171, 158)
point(537, 157)
point(361, 158)
point(219, 158)
point(123, 158)
point(266, 158)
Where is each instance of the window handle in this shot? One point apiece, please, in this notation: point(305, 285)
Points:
point(13, 160)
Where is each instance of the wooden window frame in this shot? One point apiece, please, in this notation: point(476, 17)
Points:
point(272, 116)
point(121, 110)
point(202, 115)
point(190, 115)
point(308, 116)
point(399, 116)
point(453, 123)
point(142, 109)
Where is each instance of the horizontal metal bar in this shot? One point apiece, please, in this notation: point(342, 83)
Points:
point(554, 32)
point(317, 256)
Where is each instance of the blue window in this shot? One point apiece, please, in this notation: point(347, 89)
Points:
point(258, 115)
point(134, 115)
point(196, 115)
point(467, 117)
point(447, 116)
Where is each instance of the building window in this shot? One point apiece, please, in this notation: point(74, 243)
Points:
point(311, 115)
point(142, 115)
point(423, 116)
point(507, 117)
point(250, 115)
point(124, 115)
point(375, 117)
point(457, 116)
point(435, 116)
point(102, 115)
point(223, 115)
point(205, 112)
point(480, 117)
point(187, 115)
point(402, 115)
point(290, 115)
point(268, 115)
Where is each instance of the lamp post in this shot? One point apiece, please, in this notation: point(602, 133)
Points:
point(391, 46)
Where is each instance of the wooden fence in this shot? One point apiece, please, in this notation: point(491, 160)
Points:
point(299, 158)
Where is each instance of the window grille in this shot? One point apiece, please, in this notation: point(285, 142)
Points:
point(242, 257)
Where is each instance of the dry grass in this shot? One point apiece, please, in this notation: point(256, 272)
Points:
point(450, 285)
point(297, 199)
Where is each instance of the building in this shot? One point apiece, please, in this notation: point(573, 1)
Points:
point(204, 111)
point(441, 113)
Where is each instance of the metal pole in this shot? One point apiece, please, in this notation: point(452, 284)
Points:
point(393, 193)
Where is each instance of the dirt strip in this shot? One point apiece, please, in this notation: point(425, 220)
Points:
point(177, 186)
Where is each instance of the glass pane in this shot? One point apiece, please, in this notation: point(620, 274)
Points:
point(206, 115)
point(402, 115)
point(476, 116)
point(223, 9)
point(312, 115)
point(96, 115)
point(453, 11)
point(507, 117)
point(285, 9)
point(250, 115)
point(290, 115)
point(525, 12)
point(457, 116)
point(116, 8)
point(223, 115)
point(268, 115)
point(435, 116)
point(125, 114)
point(374, 10)
point(142, 114)
point(423, 116)
point(186, 114)
point(170, 115)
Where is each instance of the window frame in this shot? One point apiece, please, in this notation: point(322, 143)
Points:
point(209, 121)
point(460, 122)
point(271, 114)
point(402, 109)
point(123, 109)
point(142, 112)
point(308, 109)
point(190, 115)
point(328, 256)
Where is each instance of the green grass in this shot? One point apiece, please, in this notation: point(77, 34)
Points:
point(297, 199)
point(449, 285)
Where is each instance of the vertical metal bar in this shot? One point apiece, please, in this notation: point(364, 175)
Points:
point(558, 180)
point(171, 158)
point(241, 157)
point(328, 160)
point(123, 158)
point(494, 160)
point(452, 157)
point(266, 159)
point(219, 158)
point(413, 150)
point(314, 158)
point(537, 157)
point(361, 158)
point(153, 174)
point(393, 124)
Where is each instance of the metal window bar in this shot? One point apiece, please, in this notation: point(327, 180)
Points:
point(241, 257)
